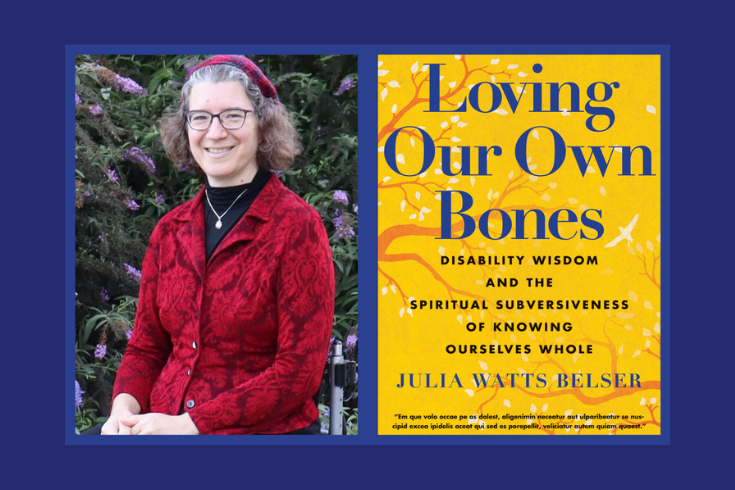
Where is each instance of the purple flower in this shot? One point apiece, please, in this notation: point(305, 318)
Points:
point(132, 271)
point(132, 205)
point(78, 394)
point(159, 199)
point(77, 100)
point(189, 65)
point(340, 197)
point(346, 85)
point(127, 85)
point(129, 334)
point(100, 351)
point(355, 208)
point(337, 220)
point(136, 155)
point(350, 343)
point(104, 295)
point(112, 175)
point(87, 193)
point(95, 109)
point(76, 295)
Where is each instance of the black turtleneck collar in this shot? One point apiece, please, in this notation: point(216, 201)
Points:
point(221, 198)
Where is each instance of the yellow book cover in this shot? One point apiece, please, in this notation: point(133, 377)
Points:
point(519, 244)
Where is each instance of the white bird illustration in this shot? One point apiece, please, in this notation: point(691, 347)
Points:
point(624, 233)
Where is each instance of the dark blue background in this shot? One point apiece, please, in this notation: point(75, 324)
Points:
point(34, 394)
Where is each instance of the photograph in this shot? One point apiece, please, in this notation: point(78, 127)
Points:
point(216, 228)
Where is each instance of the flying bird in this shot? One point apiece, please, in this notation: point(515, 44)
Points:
point(624, 233)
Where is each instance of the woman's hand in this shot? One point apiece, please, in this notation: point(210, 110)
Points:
point(123, 406)
point(159, 423)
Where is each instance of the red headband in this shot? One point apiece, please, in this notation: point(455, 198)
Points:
point(244, 64)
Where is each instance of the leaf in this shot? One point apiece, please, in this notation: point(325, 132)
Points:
point(441, 250)
point(412, 216)
point(461, 124)
point(602, 190)
point(425, 210)
point(546, 197)
point(649, 245)
point(382, 73)
point(400, 159)
point(643, 401)
point(535, 134)
point(415, 67)
point(506, 402)
point(524, 357)
point(573, 200)
point(379, 64)
point(510, 175)
point(384, 290)
point(495, 61)
point(637, 353)
point(512, 67)
point(403, 205)
point(413, 143)
point(651, 109)
point(533, 408)
point(483, 365)
point(469, 392)
point(472, 181)
point(647, 304)
point(552, 185)
point(457, 57)
point(418, 196)
point(653, 401)
point(646, 332)
point(633, 296)
point(459, 319)
point(394, 108)
point(545, 407)
point(606, 272)
point(386, 179)
point(620, 349)
point(393, 288)
point(394, 84)
point(638, 247)
point(502, 112)
point(384, 93)
point(401, 311)
point(452, 84)
point(453, 180)
point(490, 194)
point(454, 119)
point(455, 139)
point(522, 74)
point(444, 125)
point(657, 328)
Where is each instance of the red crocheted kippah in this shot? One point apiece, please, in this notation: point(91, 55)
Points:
point(247, 66)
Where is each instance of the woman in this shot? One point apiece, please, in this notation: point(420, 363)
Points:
point(237, 294)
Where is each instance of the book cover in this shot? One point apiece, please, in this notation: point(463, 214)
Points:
point(520, 244)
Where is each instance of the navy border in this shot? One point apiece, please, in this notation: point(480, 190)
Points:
point(367, 286)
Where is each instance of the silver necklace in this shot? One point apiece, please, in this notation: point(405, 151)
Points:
point(218, 225)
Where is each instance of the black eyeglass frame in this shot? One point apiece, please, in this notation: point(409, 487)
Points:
point(212, 116)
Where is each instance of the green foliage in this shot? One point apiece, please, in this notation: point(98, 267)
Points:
point(120, 198)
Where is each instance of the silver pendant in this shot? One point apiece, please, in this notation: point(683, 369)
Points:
point(219, 224)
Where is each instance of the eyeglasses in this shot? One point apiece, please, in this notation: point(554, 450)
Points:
point(229, 119)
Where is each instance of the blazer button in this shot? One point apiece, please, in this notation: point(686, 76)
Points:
point(194, 345)
point(188, 373)
point(190, 404)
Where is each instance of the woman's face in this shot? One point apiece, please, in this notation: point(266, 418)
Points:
point(227, 156)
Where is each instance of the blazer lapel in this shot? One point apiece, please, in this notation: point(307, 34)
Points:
point(191, 233)
point(260, 212)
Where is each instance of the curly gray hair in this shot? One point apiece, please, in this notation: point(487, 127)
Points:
point(279, 143)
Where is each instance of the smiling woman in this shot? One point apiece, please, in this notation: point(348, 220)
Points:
point(237, 291)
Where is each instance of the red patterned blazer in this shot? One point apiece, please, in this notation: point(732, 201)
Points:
point(241, 341)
